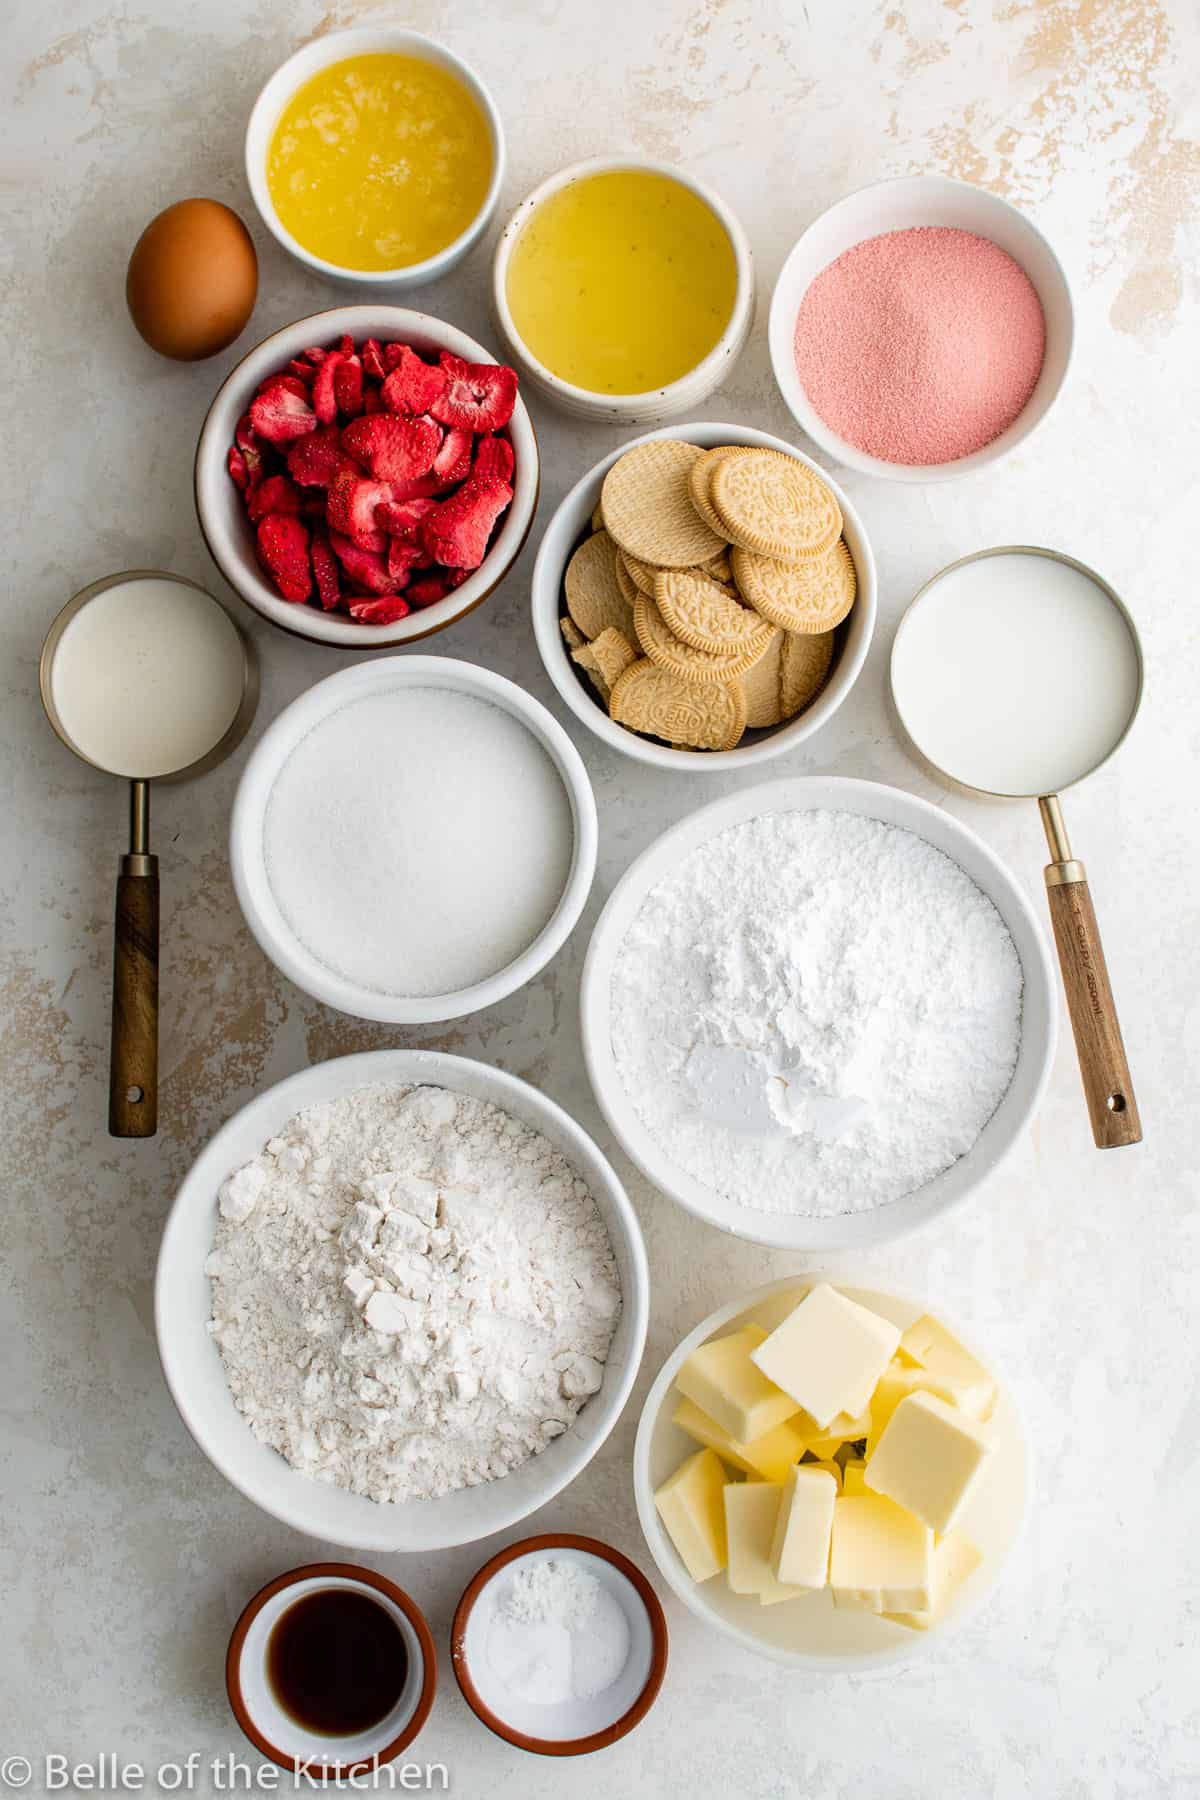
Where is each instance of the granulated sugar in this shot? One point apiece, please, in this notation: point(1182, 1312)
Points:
point(816, 1013)
point(920, 346)
point(418, 840)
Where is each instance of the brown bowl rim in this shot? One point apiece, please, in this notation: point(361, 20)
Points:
point(377, 638)
point(367, 1578)
point(659, 1647)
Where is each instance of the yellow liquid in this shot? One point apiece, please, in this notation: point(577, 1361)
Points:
point(622, 282)
point(379, 161)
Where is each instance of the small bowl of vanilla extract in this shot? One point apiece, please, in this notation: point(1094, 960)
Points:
point(331, 1669)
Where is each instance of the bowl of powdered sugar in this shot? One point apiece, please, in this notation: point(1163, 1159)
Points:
point(401, 1300)
point(817, 1013)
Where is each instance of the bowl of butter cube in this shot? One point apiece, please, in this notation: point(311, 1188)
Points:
point(832, 1476)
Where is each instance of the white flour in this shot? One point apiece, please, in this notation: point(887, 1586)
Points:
point(816, 1013)
point(412, 1292)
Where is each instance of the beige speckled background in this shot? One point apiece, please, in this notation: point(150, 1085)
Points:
point(126, 1557)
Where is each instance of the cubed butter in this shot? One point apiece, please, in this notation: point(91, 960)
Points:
point(751, 1512)
point(828, 1354)
point(928, 1459)
point(841, 1430)
point(962, 1376)
point(852, 1477)
point(800, 1549)
point(691, 1505)
point(954, 1558)
point(880, 1556)
point(770, 1456)
point(901, 1377)
point(722, 1381)
point(830, 1467)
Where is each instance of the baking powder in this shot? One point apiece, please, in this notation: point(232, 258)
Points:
point(418, 840)
point(816, 1013)
point(556, 1634)
point(412, 1292)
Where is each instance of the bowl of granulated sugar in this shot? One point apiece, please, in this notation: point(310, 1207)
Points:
point(921, 328)
point(413, 839)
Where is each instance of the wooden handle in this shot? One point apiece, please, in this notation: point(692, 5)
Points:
point(1107, 1085)
point(133, 1073)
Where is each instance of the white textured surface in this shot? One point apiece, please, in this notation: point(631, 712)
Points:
point(127, 1558)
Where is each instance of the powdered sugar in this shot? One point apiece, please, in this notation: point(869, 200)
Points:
point(413, 1292)
point(920, 346)
point(816, 1012)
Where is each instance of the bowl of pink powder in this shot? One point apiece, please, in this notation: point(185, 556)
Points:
point(921, 328)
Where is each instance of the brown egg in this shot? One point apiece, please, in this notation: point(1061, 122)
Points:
point(193, 280)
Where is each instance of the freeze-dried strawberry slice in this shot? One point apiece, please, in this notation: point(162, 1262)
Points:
point(283, 552)
point(372, 360)
point(393, 449)
point(326, 572)
point(235, 462)
point(281, 416)
point(426, 592)
point(402, 518)
point(478, 396)
point(274, 495)
point(351, 509)
point(324, 399)
point(379, 612)
point(413, 384)
point(292, 382)
point(402, 559)
point(453, 461)
point(348, 387)
point(493, 460)
point(373, 400)
point(245, 441)
point(456, 533)
point(366, 568)
point(303, 371)
point(316, 356)
point(318, 459)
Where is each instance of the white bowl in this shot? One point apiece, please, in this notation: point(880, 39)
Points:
point(569, 525)
point(248, 859)
point(658, 403)
point(366, 40)
point(230, 536)
point(196, 1376)
point(810, 1632)
point(845, 1231)
point(900, 205)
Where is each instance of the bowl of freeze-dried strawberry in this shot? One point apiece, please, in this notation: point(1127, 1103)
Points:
point(366, 476)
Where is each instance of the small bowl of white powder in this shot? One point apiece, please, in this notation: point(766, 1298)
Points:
point(817, 1013)
point(559, 1645)
point(413, 839)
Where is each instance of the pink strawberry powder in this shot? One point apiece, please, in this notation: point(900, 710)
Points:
point(920, 346)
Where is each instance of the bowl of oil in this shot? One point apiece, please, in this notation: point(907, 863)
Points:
point(375, 156)
point(623, 290)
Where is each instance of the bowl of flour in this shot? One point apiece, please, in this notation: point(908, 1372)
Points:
point(817, 1013)
point(401, 1300)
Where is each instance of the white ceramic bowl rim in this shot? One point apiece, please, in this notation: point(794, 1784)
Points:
point(693, 1596)
point(949, 190)
point(298, 68)
point(218, 500)
point(881, 1224)
point(546, 591)
point(262, 770)
point(611, 165)
point(191, 1361)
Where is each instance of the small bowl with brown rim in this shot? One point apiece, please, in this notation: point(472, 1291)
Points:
point(229, 534)
point(577, 1726)
point(273, 1730)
